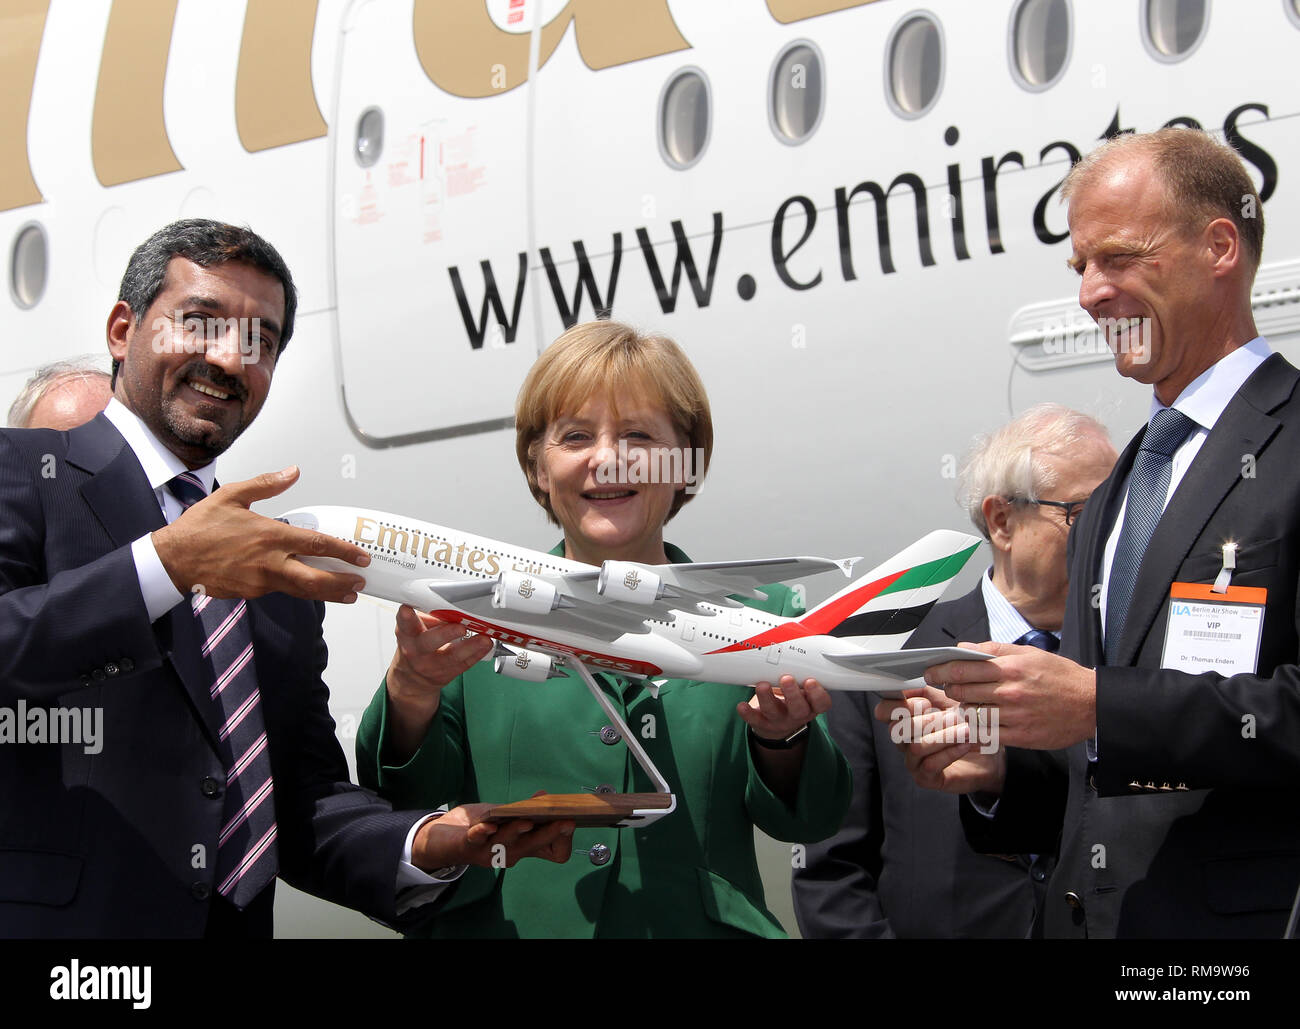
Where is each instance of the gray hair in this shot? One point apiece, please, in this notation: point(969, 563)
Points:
point(1008, 462)
point(47, 378)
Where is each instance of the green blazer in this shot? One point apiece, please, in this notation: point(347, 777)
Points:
point(691, 874)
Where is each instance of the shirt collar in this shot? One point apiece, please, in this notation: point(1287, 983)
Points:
point(160, 464)
point(1206, 397)
point(1006, 624)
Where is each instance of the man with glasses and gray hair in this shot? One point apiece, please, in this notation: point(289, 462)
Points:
point(900, 866)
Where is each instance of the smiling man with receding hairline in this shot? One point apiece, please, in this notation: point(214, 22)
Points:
point(1162, 746)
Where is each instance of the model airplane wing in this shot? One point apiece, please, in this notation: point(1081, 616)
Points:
point(659, 589)
point(890, 671)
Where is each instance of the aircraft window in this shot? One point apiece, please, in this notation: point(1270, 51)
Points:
point(1040, 42)
point(1172, 29)
point(684, 118)
point(914, 65)
point(796, 96)
point(370, 137)
point(29, 265)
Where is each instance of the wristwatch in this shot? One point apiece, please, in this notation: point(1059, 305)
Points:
point(789, 743)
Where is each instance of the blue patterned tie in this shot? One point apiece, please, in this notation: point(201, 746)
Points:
point(1040, 639)
point(246, 850)
point(1147, 488)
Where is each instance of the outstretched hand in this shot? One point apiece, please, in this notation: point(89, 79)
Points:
point(777, 713)
point(223, 549)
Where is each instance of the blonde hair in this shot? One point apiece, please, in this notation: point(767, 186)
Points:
point(610, 358)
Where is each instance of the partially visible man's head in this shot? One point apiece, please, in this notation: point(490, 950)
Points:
point(61, 395)
point(1023, 485)
point(203, 313)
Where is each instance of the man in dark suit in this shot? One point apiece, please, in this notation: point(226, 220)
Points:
point(162, 761)
point(1176, 716)
point(900, 866)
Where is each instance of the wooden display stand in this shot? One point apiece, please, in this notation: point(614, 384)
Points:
point(586, 809)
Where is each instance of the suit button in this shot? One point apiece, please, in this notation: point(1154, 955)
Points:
point(98, 675)
point(609, 735)
point(111, 668)
point(200, 891)
point(598, 855)
point(1076, 907)
point(126, 664)
point(1039, 875)
point(209, 787)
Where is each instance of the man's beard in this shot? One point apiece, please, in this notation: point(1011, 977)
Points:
point(213, 440)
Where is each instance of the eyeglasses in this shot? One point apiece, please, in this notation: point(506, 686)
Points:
point(1070, 507)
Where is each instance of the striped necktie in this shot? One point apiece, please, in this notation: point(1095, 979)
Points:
point(1147, 489)
point(246, 850)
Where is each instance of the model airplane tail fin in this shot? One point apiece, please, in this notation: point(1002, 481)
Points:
point(879, 610)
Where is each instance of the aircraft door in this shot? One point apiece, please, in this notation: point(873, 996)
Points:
point(430, 220)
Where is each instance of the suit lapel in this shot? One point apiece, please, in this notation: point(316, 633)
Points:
point(119, 496)
point(117, 492)
point(967, 620)
point(1245, 427)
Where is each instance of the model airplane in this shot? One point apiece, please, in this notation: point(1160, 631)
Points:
point(653, 621)
point(679, 621)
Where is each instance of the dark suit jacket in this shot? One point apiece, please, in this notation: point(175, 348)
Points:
point(123, 842)
point(900, 865)
point(1188, 825)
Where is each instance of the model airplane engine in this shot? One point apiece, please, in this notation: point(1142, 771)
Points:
point(516, 591)
point(632, 583)
point(527, 665)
